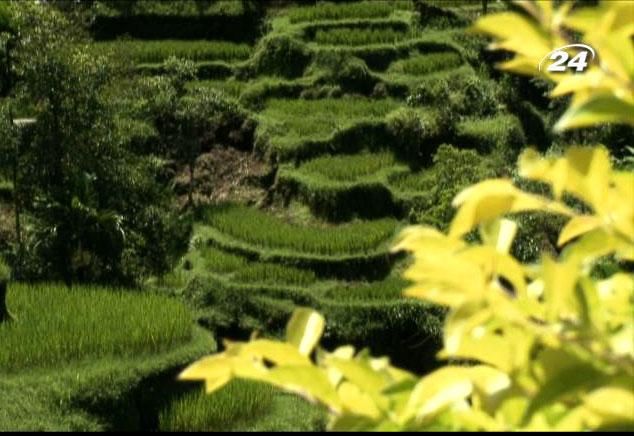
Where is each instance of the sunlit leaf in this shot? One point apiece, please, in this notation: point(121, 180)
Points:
point(304, 330)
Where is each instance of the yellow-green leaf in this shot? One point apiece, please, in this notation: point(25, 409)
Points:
point(304, 330)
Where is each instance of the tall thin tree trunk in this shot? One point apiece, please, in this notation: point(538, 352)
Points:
point(4, 311)
point(484, 6)
point(16, 160)
point(192, 169)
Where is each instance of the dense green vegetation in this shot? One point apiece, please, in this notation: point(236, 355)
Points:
point(158, 51)
point(264, 230)
point(222, 162)
point(51, 324)
point(240, 406)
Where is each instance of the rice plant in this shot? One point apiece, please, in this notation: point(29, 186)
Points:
point(157, 51)
point(274, 274)
point(54, 324)
point(390, 288)
point(339, 11)
point(360, 36)
point(230, 408)
point(232, 88)
point(318, 119)
point(262, 229)
point(192, 8)
point(427, 63)
point(413, 182)
point(349, 167)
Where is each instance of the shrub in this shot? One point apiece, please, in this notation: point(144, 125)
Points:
point(415, 133)
point(462, 92)
point(280, 55)
point(453, 169)
point(341, 69)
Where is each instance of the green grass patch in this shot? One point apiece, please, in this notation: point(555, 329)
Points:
point(179, 8)
point(56, 325)
point(231, 87)
point(157, 51)
point(426, 63)
point(288, 125)
point(362, 36)
point(270, 232)
point(271, 274)
point(503, 131)
point(340, 11)
point(346, 168)
point(223, 410)
point(390, 288)
point(241, 406)
point(105, 394)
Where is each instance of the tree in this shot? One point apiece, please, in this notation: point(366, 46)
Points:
point(94, 204)
point(4, 279)
point(549, 345)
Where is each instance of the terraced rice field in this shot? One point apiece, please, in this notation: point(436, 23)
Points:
point(353, 136)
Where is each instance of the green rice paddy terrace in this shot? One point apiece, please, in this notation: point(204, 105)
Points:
point(363, 110)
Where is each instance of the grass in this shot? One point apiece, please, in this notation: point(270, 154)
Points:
point(262, 229)
point(425, 64)
point(361, 37)
point(241, 406)
point(390, 288)
point(412, 182)
point(105, 394)
point(191, 8)
point(55, 325)
point(156, 51)
point(220, 411)
point(230, 87)
point(272, 274)
point(500, 131)
point(346, 168)
point(339, 11)
point(289, 121)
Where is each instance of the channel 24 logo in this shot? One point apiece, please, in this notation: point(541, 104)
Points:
point(563, 61)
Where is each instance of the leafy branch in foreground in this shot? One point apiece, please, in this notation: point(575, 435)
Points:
point(604, 93)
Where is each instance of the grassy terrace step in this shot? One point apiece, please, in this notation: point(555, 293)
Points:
point(355, 313)
point(183, 19)
point(349, 250)
point(339, 187)
point(64, 372)
point(156, 51)
point(338, 11)
point(119, 324)
point(380, 56)
point(421, 64)
point(306, 128)
point(100, 394)
point(486, 134)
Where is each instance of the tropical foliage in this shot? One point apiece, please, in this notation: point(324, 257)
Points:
point(532, 347)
